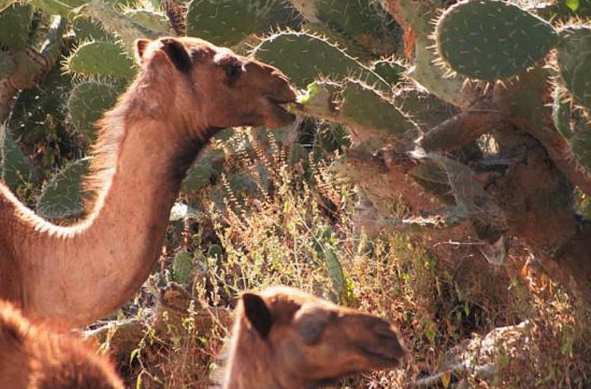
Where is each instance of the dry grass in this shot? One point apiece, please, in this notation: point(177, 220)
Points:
point(292, 234)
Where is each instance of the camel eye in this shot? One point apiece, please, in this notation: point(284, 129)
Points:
point(233, 71)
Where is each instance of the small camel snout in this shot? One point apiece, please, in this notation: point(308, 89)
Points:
point(385, 341)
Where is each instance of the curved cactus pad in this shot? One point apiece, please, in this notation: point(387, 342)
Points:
point(492, 40)
point(305, 57)
point(101, 58)
point(16, 168)
point(226, 22)
point(87, 103)
point(63, 197)
point(15, 25)
point(574, 63)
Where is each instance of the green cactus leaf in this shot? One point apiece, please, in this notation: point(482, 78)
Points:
point(209, 164)
point(226, 22)
point(373, 116)
point(360, 23)
point(424, 108)
point(15, 25)
point(574, 63)
point(58, 7)
point(304, 58)
point(364, 108)
point(183, 267)
point(154, 21)
point(102, 59)
point(87, 29)
point(390, 70)
point(113, 20)
point(16, 168)
point(492, 40)
point(87, 104)
point(573, 5)
point(335, 270)
point(63, 197)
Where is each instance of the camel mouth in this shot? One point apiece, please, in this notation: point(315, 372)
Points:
point(382, 359)
point(280, 116)
point(387, 354)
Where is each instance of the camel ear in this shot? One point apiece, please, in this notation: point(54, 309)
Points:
point(257, 313)
point(177, 54)
point(140, 48)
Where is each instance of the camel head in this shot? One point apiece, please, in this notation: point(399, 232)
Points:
point(313, 342)
point(212, 87)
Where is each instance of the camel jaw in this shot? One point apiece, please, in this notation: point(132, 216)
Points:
point(278, 115)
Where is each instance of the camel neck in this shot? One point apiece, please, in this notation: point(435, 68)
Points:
point(252, 365)
point(104, 259)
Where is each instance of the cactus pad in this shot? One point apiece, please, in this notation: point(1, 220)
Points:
point(16, 169)
point(101, 58)
point(226, 22)
point(305, 57)
point(492, 40)
point(87, 103)
point(15, 24)
point(63, 197)
point(574, 63)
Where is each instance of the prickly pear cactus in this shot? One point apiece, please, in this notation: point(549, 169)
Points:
point(63, 197)
point(574, 63)
point(372, 116)
point(101, 59)
point(226, 22)
point(182, 267)
point(355, 24)
point(16, 169)
point(88, 102)
point(305, 57)
point(15, 25)
point(491, 40)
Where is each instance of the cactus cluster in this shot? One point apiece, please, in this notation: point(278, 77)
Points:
point(468, 72)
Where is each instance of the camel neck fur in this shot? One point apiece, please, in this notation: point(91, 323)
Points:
point(136, 173)
point(249, 363)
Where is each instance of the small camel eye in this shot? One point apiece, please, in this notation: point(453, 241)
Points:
point(233, 71)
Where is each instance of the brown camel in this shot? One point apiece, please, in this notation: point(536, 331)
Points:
point(186, 90)
point(33, 357)
point(284, 338)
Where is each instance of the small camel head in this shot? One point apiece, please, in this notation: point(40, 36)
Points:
point(231, 90)
point(312, 342)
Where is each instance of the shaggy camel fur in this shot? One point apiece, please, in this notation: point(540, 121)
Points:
point(33, 357)
point(284, 338)
point(186, 90)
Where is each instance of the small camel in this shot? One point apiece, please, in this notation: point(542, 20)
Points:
point(284, 338)
point(186, 90)
point(34, 357)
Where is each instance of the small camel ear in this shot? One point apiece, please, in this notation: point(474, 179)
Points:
point(177, 54)
point(140, 48)
point(257, 313)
